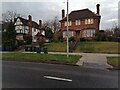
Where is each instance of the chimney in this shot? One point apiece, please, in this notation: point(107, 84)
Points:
point(98, 9)
point(30, 18)
point(30, 25)
point(40, 24)
point(63, 13)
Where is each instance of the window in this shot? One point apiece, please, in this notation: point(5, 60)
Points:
point(85, 21)
point(70, 34)
point(18, 31)
point(69, 23)
point(77, 22)
point(26, 27)
point(26, 31)
point(89, 21)
point(92, 21)
point(17, 27)
point(88, 33)
point(21, 27)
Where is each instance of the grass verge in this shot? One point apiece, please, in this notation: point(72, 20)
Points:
point(98, 47)
point(114, 61)
point(43, 58)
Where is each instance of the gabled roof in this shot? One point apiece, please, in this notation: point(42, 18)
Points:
point(81, 14)
point(25, 22)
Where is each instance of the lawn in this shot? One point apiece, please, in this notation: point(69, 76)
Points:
point(114, 61)
point(34, 57)
point(87, 46)
point(98, 47)
point(57, 47)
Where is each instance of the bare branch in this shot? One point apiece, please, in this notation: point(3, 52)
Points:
point(10, 16)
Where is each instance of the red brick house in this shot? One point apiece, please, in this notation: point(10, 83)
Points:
point(82, 23)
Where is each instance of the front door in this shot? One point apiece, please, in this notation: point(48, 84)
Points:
point(77, 35)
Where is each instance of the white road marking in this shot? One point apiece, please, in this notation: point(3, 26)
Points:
point(57, 78)
point(108, 70)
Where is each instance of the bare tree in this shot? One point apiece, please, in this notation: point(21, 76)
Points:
point(9, 16)
point(53, 24)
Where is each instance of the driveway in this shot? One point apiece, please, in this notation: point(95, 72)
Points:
point(94, 60)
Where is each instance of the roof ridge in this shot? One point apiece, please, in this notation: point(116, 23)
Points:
point(81, 10)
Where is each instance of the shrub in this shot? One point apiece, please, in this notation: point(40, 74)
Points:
point(28, 39)
point(20, 43)
point(82, 39)
point(71, 39)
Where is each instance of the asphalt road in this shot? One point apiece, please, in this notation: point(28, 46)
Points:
point(38, 75)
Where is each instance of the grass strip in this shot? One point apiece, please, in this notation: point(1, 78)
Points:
point(114, 61)
point(34, 57)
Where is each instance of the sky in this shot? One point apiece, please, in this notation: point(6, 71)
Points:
point(44, 10)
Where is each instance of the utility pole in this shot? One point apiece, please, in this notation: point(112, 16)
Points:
point(67, 31)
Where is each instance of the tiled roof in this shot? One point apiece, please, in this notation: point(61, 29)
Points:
point(25, 22)
point(81, 14)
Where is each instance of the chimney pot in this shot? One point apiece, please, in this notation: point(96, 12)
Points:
point(98, 9)
point(40, 24)
point(63, 13)
point(30, 18)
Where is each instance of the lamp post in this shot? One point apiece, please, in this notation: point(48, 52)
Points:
point(67, 31)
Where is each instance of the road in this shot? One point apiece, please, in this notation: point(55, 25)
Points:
point(39, 75)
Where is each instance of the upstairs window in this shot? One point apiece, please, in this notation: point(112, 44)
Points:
point(69, 23)
point(89, 21)
point(77, 22)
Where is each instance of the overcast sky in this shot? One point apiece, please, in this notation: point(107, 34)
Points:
point(45, 10)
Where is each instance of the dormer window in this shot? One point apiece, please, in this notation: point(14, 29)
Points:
point(89, 21)
point(77, 22)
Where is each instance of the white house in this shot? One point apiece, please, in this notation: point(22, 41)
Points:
point(27, 27)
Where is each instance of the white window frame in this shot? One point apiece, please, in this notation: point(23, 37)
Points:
point(88, 33)
point(69, 23)
point(78, 22)
point(89, 21)
point(70, 34)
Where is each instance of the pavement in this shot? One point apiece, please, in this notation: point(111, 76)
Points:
point(93, 60)
point(41, 75)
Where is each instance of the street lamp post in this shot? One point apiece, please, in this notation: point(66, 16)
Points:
point(67, 31)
